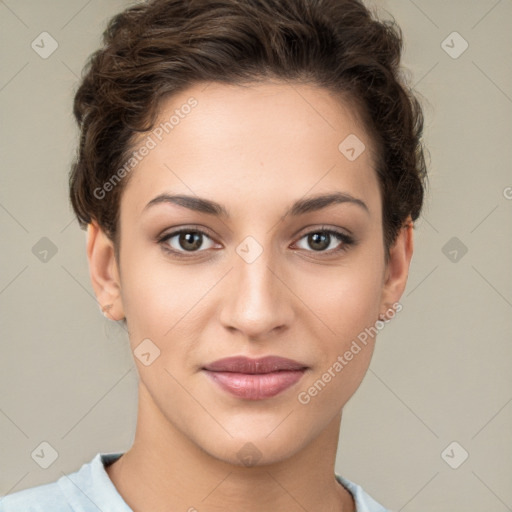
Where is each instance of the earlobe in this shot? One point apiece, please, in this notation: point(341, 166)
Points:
point(104, 272)
point(397, 269)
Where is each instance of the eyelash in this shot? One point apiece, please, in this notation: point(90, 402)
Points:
point(346, 240)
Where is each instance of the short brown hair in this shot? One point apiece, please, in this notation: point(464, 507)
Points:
point(161, 47)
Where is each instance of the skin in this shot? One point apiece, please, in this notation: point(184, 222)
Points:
point(255, 149)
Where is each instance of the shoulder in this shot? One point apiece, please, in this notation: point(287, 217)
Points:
point(364, 502)
point(43, 498)
point(89, 488)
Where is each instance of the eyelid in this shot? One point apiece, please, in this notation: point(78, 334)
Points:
point(179, 229)
point(314, 228)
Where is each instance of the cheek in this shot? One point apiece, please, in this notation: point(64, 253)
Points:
point(345, 298)
point(165, 301)
point(155, 290)
point(347, 301)
point(349, 309)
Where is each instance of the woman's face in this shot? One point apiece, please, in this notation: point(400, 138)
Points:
point(265, 279)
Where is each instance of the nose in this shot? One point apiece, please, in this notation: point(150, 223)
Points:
point(258, 302)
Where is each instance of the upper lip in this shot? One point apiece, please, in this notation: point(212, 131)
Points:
point(242, 364)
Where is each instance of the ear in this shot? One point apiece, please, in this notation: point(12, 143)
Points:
point(104, 272)
point(397, 268)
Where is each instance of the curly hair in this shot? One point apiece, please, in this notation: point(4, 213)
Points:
point(161, 47)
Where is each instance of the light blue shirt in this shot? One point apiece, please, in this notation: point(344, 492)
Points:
point(90, 490)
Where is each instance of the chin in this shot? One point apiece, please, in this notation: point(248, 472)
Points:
point(252, 448)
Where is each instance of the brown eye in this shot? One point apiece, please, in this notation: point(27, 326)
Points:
point(323, 239)
point(319, 241)
point(185, 240)
point(190, 241)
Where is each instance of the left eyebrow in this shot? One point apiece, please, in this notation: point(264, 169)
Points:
point(299, 207)
point(318, 202)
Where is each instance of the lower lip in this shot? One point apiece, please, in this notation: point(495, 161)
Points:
point(256, 386)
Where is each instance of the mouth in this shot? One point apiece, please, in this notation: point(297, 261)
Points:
point(255, 379)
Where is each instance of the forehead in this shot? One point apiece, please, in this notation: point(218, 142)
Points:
point(243, 144)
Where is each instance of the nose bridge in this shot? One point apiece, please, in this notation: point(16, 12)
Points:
point(253, 271)
point(257, 302)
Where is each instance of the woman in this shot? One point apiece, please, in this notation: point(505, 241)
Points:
point(249, 174)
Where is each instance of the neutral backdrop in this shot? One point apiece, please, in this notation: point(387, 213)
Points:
point(439, 388)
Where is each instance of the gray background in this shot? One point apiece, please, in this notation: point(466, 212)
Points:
point(441, 370)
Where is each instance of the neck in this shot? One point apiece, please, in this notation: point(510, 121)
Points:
point(164, 470)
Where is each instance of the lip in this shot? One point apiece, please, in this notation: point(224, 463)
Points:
point(255, 379)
